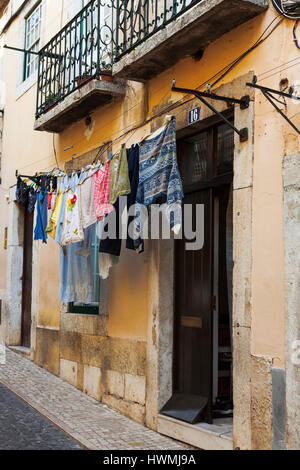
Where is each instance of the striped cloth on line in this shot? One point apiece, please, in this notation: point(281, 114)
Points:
point(159, 178)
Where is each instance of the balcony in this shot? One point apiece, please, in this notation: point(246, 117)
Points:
point(75, 71)
point(155, 34)
point(86, 64)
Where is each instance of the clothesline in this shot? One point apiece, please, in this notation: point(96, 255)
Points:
point(73, 204)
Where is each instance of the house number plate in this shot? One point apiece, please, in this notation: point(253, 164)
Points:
point(194, 115)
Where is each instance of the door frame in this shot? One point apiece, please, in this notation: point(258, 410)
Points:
point(14, 273)
point(211, 183)
point(161, 273)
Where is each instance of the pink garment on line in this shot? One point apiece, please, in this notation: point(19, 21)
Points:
point(49, 198)
point(101, 192)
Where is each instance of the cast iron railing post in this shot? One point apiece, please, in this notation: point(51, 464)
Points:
point(98, 39)
point(38, 88)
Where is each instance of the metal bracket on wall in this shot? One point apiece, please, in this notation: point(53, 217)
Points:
point(26, 51)
point(201, 95)
point(32, 178)
point(268, 94)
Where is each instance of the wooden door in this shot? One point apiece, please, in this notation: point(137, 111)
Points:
point(193, 311)
point(27, 280)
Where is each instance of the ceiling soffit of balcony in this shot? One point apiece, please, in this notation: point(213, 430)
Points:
point(79, 104)
point(203, 24)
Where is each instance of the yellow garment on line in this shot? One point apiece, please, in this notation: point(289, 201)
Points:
point(52, 224)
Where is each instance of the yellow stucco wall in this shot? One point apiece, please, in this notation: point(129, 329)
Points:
point(48, 285)
point(128, 299)
point(4, 223)
point(28, 150)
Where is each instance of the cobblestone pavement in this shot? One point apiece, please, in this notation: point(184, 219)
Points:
point(86, 420)
point(23, 428)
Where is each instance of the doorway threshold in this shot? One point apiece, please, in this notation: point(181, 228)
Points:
point(22, 350)
point(216, 436)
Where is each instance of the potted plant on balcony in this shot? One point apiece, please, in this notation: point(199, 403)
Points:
point(50, 101)
point(82, 79)
point(106, 72)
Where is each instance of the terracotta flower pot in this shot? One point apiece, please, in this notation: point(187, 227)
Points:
point(82, 79)
point(49, 105)
point(107, 78)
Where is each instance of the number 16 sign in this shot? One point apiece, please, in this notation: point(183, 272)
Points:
point(194, 115)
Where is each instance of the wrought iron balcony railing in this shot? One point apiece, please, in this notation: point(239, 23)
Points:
point(138, 20)
point(77, 54)
point(99, 35)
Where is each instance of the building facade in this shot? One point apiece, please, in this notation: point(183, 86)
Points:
point(222, 321)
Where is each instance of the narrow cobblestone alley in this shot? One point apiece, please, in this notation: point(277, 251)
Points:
point(90, 423)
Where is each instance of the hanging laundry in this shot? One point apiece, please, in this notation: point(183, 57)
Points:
point(86, 189)
point(133, 159)
point(119, 179)
point(53, 220)
point(106, 260)
point(22, 192)
point(72, 231)
point(31, 200)
point(41, 221)
point(62, 185)
point(53, 199)
point(84, 247)
point(54, 183)
point(79, 276)
point(49, 198)
point(101, 192)
point(159, 178)
point(113, 245)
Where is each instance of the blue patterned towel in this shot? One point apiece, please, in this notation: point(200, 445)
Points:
point(159, 178)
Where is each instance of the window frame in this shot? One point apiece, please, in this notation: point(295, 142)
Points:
point(86, 309)
point(35, 44)
point(210, 126)
point(93, 307)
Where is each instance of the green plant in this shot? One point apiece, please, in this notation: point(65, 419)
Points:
point(105, 65)
point(51, 97)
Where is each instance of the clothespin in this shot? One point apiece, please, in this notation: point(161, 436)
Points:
point(111, 156)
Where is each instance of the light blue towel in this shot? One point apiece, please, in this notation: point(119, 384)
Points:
point(79, 271)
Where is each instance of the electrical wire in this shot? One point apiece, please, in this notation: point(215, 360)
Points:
point(175, 104)
point(131, 127)
point(232, 64)
point(242, 56)
point(54, 149)
point(235, 61)
point(279, 71)
point(278, 66)
point(259, 41)
point(223, 72)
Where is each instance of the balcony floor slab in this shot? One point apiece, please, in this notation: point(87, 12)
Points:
point(202, 24)
point(79, 104)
